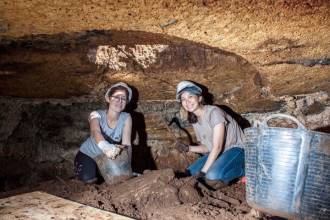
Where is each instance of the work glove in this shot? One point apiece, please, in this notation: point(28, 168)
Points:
point(110, 150)
point(183, 148)
point(200, 175)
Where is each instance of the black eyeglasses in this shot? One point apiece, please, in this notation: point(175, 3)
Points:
point(119, 98)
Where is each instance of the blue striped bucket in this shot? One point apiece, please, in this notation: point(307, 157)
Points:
point(288, 170)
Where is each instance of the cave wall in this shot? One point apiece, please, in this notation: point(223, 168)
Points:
point(285, 41)
point(39, 138)
point(75, 64)
point(58, 57)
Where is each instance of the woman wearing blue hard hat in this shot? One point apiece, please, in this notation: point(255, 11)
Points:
point(219, 137)
point(110, 132)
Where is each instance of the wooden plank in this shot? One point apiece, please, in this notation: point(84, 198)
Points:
point(42, 206)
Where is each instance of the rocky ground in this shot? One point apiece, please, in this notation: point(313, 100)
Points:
point(154, 195)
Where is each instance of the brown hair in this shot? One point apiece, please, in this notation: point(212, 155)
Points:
point(192, 118)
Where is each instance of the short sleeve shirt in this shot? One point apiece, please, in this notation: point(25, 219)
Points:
point(211, 117)
point(90, 148)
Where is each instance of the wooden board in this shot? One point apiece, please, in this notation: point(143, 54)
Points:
point(42, 206)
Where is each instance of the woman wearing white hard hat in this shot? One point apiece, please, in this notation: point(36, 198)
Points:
point(219, 137)
point(110, 132)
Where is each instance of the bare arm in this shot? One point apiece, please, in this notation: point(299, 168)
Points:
point(199, 149)
point(95, 130)
point(218, 143)
point(108, 149)
point(126, 136)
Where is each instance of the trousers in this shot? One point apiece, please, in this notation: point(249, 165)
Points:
point(86, 169)
point(227, 167)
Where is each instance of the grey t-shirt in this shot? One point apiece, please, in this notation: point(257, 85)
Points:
point(90, 148)
point(212, 116)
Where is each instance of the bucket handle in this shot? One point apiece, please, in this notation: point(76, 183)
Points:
point(264, 123)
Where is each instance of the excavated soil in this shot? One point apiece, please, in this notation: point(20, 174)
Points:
point(154, 195)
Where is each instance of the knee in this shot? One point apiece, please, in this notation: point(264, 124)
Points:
point(211, 176)
point(192, 172)
point(214, 174)
point(84, 175)
point(87, 179)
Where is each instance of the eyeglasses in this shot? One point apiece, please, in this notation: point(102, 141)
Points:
point(119, 98)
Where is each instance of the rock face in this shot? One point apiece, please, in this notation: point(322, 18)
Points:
point(57, 58)
point(66, 65)
point(242, 51)
point(39, 138)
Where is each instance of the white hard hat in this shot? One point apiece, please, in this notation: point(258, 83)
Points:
point(129, 90)
point(185, 84)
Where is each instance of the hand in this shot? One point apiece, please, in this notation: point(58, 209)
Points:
point(108, 149)
point(200, 175)
point(112, 153)
point(183, 148)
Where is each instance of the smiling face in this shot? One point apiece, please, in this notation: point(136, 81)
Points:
point(190, 102)
point(118, 100)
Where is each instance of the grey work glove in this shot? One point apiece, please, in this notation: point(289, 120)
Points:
point(183, 148)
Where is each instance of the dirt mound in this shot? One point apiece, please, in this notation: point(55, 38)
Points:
point(154, 195)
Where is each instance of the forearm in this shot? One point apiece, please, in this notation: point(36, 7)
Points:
point(109, 149)
point(126, 142)
point(95, 130)
point(199, 149)
point(218, 142)
point(127, 131)
point(97, 136)
point(126, 137)
point(210, 159)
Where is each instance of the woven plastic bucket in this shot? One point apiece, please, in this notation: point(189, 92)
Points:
point(288, 170)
